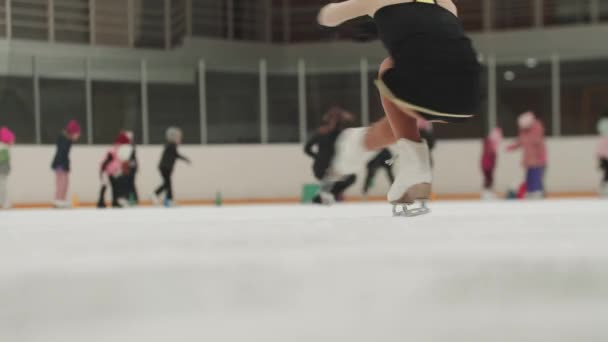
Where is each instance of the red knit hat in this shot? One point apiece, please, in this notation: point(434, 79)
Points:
point(73, 127)
point(122, 138)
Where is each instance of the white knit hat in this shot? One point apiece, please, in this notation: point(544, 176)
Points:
point(602, 127)
point(173, 134)
point(526, 120)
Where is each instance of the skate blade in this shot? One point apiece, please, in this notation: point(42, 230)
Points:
point(419, 193)
point(408, 210)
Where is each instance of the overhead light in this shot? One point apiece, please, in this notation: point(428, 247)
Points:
point(509, 75)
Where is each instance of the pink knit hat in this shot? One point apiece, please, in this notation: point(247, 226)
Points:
point(7, 136)
point(73, 127)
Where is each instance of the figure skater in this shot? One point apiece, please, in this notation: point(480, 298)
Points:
point(432, 72)
point(61, 162)
point(602, 154)
point(489, 155)
point(166, 166)
point(532, 141)
point(321, 148)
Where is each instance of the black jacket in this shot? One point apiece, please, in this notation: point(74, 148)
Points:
point(170, 156)
point(325, 151)
point(62, 155)
point(381, 159)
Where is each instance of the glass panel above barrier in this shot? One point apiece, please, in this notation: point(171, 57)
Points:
point(17, 96)
point(173, 100)
point(283, 109)
point(233, 105)
point(522, 86)
point(326, 89)
point(117, 103)
point(62, 96)
point(584, 86)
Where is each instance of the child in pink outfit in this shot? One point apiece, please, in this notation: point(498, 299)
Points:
point(61, 162)
point(7, 139)
point(532, 141)
point(114, 171)
point(488, 161)
point(602, 154)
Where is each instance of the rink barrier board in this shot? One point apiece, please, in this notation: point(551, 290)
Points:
point(263, 201)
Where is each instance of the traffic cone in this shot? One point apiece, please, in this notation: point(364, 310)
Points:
point(75, 201)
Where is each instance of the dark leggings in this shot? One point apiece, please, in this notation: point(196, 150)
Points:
point(167, 186)
point(371, 173)
point(604, 165)
point(488, 179)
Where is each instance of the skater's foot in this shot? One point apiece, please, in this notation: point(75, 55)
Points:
point(413, 182)
point(488, 195)
point(604, 190)
point(351, 154)
point(156, 200)
point(535, 195)
point(61, 204)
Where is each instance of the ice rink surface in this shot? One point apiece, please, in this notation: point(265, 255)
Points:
point(471, 271)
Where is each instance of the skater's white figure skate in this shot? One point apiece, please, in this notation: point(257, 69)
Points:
point(414, 177)
point(488, 195)
point(535, 195)
point(327, 183)
point(604, 190)
point(156, 199)
point(351, 154)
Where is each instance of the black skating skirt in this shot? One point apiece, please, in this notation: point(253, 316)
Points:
point(436, 70)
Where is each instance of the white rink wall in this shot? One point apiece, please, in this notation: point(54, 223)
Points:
point(279, 171)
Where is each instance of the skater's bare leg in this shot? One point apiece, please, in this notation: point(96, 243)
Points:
point(379, 135)
point(396, 125)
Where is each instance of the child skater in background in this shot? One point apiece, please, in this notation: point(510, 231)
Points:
point(602, 154)
point(7, 139)
point(61, 162)
point(488, 162)
point(115, 172)
point(133, 167)
point(320, 147)
point(166, 166)
point(532, 141)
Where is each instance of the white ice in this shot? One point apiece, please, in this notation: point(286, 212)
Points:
point(502, 271)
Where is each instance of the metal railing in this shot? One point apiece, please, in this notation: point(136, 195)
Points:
point(165, 23)
point(266, 103)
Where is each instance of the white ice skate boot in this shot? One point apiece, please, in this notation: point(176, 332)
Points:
point(488, 195)
point(327, 198)
point(156, 200)
point(123, 203)
point(604, 190)
point(535, 195)
point(414, 177)
point(58, 204)
point(351, 154)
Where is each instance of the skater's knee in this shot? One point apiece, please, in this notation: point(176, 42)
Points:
point(386, 64)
